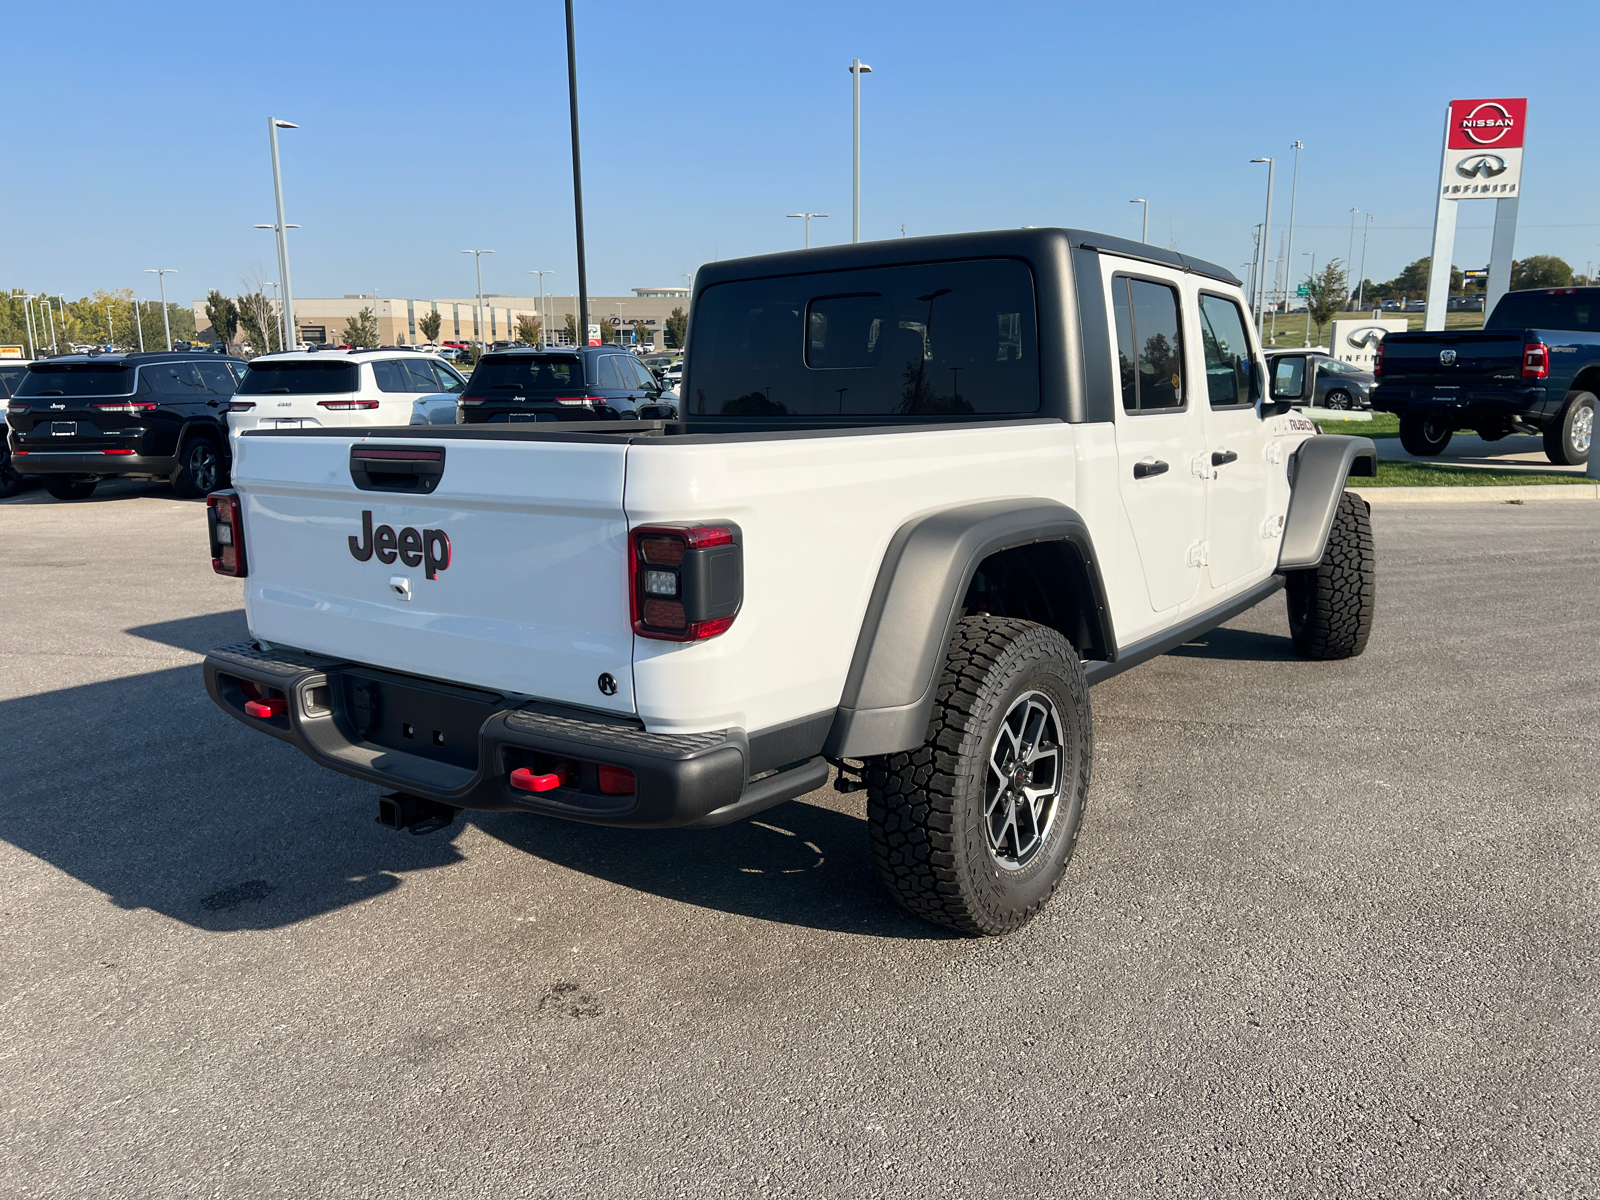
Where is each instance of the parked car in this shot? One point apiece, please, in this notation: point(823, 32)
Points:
point(1335, 384)
point(900, 552)
point(345, 388)
point(1534, 367)
point(598, 383)
point(77, 419)
point(12, 371)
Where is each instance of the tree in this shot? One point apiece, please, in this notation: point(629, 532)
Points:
point(1540, 271)
point(1326, 293)
point(429, 324)
point(677, 328)
point(608, 331)
point(1411, 283)
point(642, 334)
point(361, 330)
point(258, 321)
point(572, 329)
point(224, 317)
point(529, 330)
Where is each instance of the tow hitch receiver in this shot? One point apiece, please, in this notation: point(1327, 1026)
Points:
point(415, 814)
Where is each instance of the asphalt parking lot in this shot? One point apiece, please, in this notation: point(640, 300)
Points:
point(1331, 929)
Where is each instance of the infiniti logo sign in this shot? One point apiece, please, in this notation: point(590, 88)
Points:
point(1366, 337)
point(1485, 165)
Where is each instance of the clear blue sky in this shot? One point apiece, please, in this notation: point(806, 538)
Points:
point(427, 128)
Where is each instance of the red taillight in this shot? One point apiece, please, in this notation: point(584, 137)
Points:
point(241, 405)
point(569, 400)
point(274, 706)
point(126, 406)
point(685, 582)
point(116, 452)
point(346, 405)
point(16, 408)
point(525, 780)
point(1535, 360)
point(616, 781)
point(225, 517)
point(1377, 362)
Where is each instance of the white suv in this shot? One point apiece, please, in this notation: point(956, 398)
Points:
point(345, 388)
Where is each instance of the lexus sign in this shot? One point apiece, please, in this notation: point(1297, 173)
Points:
point(1483, 149)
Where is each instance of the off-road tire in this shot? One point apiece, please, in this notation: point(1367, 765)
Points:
point(67, 487)
point(1338, 398)
point(1568, 436)
point(925, 807)
point(200, 469)
point(1331, 605)
point(1421, 435)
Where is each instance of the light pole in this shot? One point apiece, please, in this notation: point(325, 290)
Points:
point(111, 331)
point(283, 340)
point(138, 320)
point(1266, 230)
point(1294, 190)
point(1361, 288)
point(1350, 250)
point(50, 318)
point(577, 180)
point(273, 125)
point(1311, 254)
point(1145, 236)
point(27, 312)
point(807, 216)
point(544, 319)
point(161, 274)
point(478, 258)
point(277, 311)
point(857, 70)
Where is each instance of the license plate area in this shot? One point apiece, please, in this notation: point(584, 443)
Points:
point(429, 720)
point(63, 429)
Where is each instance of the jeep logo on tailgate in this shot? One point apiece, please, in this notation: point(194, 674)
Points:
point(430, 547)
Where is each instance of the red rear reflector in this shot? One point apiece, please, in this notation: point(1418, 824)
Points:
point(525, 780)
point(274, 707)
point(116, 451)
point(665, 614)
point(616, 781)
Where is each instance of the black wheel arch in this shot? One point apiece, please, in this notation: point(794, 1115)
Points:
point(1033, 558)
point(1318, 472)
point(202, 428)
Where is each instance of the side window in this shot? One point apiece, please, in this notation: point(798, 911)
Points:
point(421, 376)
point(1149, 344)
point(1229, 379)
point(449, 381)
point(391, 376)
point(178, 380)
point(218, 378)
point(647, 381)
point(609, 378)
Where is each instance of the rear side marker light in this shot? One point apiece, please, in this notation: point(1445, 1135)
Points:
point(701, 569)
point(525, 780)
point(346, 405)
point(225, 522)
point(274, 707)
point(1535, 361)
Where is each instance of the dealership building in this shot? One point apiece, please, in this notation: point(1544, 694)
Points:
point(641, 316)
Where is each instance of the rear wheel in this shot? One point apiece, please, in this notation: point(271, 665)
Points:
point(1423, 435)
point(1338, 398)
point(1331, 605)
point(69, 487)
point(974, 828)
point(1568, 437)
point(200, 469)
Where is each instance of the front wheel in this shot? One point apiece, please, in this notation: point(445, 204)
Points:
point(1423, 435)
point(68, 487)
point(1331, 605)
point(974, 828)
point(1567, 438)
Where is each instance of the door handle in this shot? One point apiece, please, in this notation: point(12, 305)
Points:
point(1144, 470)
point(1221, 458)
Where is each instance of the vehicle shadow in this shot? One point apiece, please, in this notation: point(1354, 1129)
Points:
point(1239, 645)
point(142, 789)
point(108, 491)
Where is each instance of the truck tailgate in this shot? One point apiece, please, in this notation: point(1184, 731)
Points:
point(1469, 358)
point(532, 596)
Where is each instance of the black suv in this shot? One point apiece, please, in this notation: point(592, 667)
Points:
point(78, 419)
point(589, 383)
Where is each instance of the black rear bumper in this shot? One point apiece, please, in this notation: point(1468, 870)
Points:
point(92, 462)
point(1468, 404)
point(458, 746)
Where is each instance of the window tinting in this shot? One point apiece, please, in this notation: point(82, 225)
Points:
point(1538, 310)
point(219, 380)
point(301, 378)
point(1229, 380)
point(421, 374)
point(528, 376)
point(76, 379)
point(391, 376)
point(10, 378)
point(449, 381)
point(1149, 344)
point(935, 339)
point(607, 377)
point(179, 380)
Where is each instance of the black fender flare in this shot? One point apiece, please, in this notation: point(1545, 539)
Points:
point(202, 427)
point(1321, 466)
point(923, 579)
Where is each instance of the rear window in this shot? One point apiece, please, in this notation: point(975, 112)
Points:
point(299, 378)
point(1578, 311)
point(529, 376)
point(935, 339)
point(77, 379)
point(10, 377)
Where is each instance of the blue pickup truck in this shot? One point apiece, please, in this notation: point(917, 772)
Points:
point(1534, 367)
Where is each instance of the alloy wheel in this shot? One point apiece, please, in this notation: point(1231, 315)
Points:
point(1582, 428)
point(1023, 790)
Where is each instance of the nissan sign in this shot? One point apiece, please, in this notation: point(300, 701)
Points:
point(1483, 149)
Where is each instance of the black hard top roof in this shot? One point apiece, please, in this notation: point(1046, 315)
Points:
point(134, 358)
point(1035, 244)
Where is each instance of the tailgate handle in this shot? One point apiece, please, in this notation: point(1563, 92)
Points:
point(396, 468)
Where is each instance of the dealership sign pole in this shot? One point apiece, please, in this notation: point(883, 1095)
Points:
point(1482, 160)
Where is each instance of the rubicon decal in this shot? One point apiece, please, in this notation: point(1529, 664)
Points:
point(427, 548)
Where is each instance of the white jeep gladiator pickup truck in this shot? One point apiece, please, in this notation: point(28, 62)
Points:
point(923, 493)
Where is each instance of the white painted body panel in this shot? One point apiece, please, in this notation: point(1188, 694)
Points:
point(308, 412)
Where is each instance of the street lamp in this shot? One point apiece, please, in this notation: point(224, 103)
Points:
point(283, 341)
point(1361, 288)
point(807, 217)
point(478, 258)
point(1294, 189)
point(1145, 237)
point(1312, 255)
point(544, 318)
point(857, 70)
point(1266, 230)
point(273, 125)
point(161, 274)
